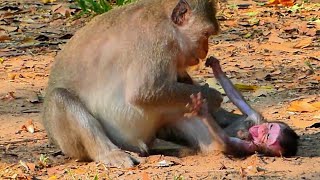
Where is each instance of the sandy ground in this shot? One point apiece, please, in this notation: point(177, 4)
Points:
point(265, 55)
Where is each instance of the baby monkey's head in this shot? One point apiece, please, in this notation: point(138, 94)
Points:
point(275, 138)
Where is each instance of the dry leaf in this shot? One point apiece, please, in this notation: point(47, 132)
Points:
point(48, 1)
point(14, 176)
point(244, 87)
point(9, 28)
point(302, 106)
point(316, 104)
point(277, 47)
point(12, 76)
point(303, 43)
point(31, 166)
point(275, 38)
point(282, 2)
point(54, 170)
point(52, 177)
point(297, 122)
point(29, 126)
point(4, 36)
point(10, 96)
point(145, 176)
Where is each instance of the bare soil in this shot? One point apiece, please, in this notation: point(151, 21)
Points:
point(272, 52)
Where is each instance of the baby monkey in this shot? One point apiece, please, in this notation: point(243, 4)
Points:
point(249, 135)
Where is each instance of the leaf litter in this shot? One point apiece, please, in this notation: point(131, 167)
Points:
point(271, 53)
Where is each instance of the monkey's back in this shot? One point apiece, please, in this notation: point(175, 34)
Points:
point(94, 66)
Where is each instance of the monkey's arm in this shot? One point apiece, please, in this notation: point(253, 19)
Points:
point(232, 93)
point(174, 95)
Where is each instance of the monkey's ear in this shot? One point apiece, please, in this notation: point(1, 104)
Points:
point(181, 13)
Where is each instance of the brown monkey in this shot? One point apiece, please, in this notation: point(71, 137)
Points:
point(115, 82)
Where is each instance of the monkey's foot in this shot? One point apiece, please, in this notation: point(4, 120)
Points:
point(118, 159)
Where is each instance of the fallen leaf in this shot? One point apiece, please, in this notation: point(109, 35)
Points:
point(31, 166)
point(282, 2)
point(9, 28)
point(245, 87)
point(48, 1)
point(303, 43)
point(4, 36)
point(302, 106)
point(54, 170)
point(52, 177)
point(145, 176)
point(10, 96)
point(316, 104)
point(274, 37)
point(286, 47)
point(12, 76)
point(302, 123)
point(14, 176)
point(29, 126)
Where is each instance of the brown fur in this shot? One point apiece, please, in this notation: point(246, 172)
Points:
point(115, 82)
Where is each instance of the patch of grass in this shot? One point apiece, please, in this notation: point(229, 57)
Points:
point(43, 160)
point(99, 6)
point(180, 177)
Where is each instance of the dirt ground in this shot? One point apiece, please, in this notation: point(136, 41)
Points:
point(271, 53)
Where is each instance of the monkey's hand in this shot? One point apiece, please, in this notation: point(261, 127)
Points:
point(254, 118)
point(197, 107)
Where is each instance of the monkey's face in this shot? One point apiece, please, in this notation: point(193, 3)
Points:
point(196, 21)
point(201, 49)
point(266, 136)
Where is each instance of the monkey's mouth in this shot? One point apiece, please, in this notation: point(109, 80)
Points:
point(253, 131)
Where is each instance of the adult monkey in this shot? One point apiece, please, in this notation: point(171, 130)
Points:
point(115, 82)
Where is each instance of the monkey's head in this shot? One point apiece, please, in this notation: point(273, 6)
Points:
point(196, 21)
point(275, 138)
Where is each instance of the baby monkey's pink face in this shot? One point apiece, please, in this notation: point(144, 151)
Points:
point(267, 135)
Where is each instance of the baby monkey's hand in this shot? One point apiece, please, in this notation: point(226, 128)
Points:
point(197, 107)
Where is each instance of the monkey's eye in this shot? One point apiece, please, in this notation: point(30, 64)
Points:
point(271, 126)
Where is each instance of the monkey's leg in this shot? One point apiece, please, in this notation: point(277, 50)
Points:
point(231, 91)
point(190, 132)
point(78, 133)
